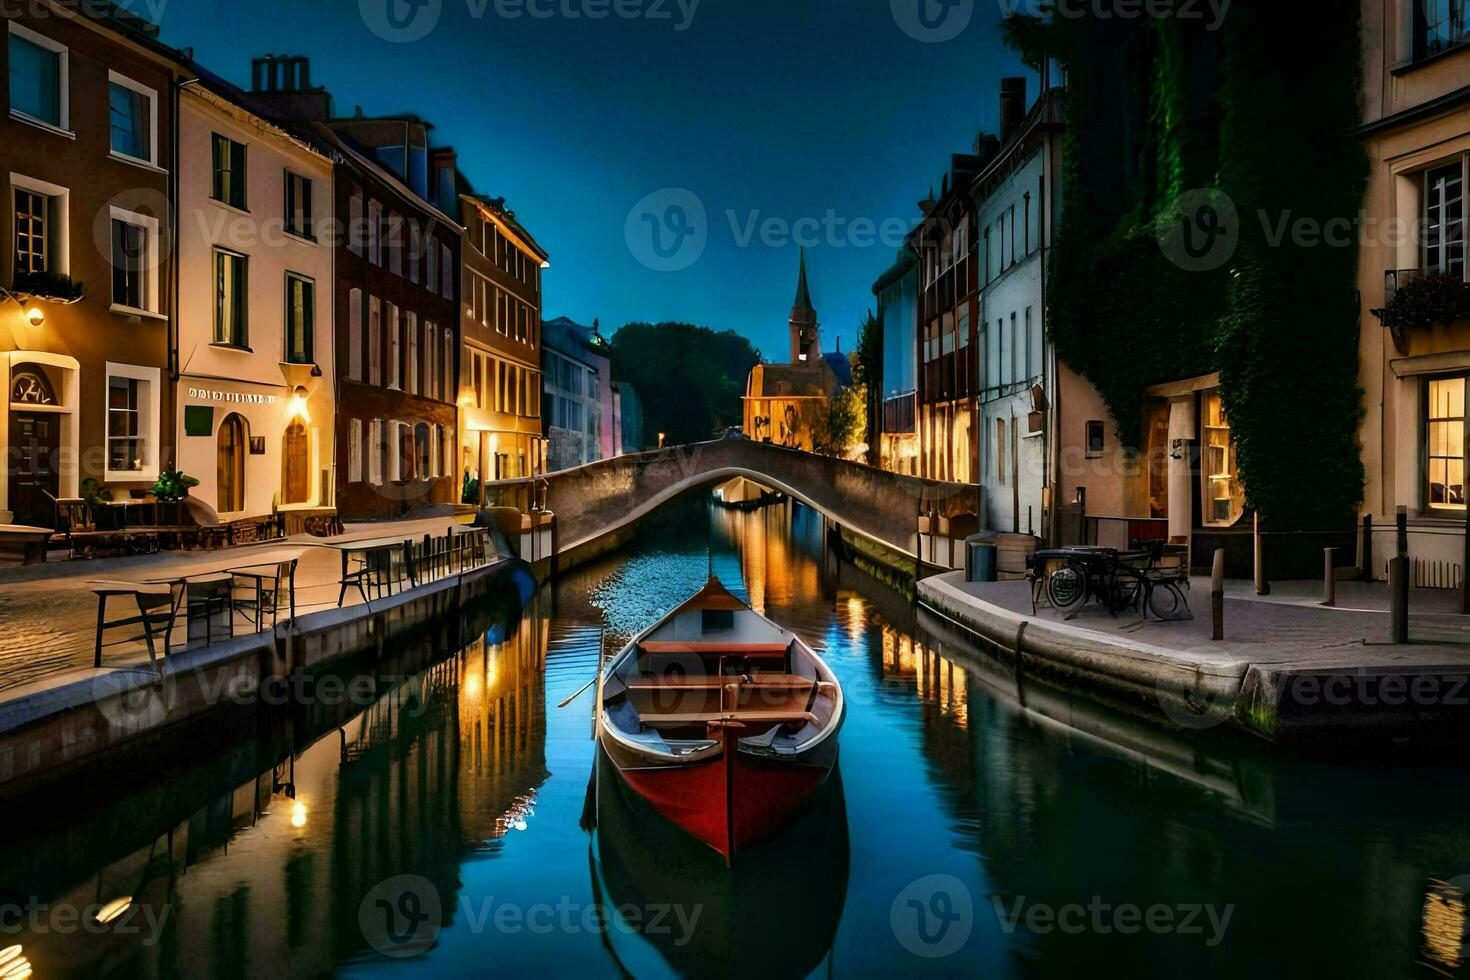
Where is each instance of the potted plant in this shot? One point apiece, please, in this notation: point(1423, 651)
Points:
point(172, 487)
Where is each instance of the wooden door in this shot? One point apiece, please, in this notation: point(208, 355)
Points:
point(231, 465)
point(296, 462)
point(34, 439)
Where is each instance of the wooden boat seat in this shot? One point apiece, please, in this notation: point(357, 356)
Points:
point(761, 717)
point(723, 649)
point(769, 682)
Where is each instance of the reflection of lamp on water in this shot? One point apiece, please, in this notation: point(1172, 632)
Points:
point(114, 909)
point(298, 814)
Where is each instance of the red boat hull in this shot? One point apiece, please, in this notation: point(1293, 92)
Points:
point(731, 802)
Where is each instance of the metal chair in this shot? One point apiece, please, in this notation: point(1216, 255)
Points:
point(258, 589)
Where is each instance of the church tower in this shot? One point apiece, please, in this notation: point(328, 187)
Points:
point(806, 339)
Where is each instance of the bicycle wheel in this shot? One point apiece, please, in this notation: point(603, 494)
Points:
point(1166, 600)
point(1067, 588)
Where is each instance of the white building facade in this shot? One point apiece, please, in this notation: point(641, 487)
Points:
point(255, 393)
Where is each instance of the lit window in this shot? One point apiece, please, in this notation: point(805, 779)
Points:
point(38, 77)
point(1224, 492)
point(124, 435)
point(1445, 439)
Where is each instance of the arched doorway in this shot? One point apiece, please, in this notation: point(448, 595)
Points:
point(231, 465)
point(296, 464)
point(35, 437)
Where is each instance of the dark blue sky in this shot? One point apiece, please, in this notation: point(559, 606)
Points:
point(763, 109)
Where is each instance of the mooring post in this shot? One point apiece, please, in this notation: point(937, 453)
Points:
point(1263, 587)
point(1398, 589)
point(1402, 521)
point(1329, 576)
point(1217, 596)
point(1367, 547)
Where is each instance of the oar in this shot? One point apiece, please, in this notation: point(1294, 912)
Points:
point(588, 686)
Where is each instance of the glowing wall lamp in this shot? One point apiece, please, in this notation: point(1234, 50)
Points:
point(298, 404)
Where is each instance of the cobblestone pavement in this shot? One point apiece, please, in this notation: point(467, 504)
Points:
point(1289, 627)
point(48, 615)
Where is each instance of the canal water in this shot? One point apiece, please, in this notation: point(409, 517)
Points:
point(981, 825)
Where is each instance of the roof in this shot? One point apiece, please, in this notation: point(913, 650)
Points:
point(841, 367)
point(803, 293)
point(232, 93)
point(496, 207)
point(815, 380)
point(570, 338)
point(906, 262)
point(347, 150)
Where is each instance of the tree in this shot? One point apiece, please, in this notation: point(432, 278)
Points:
point(838, 425)
point(868, 372)
point(690, 378)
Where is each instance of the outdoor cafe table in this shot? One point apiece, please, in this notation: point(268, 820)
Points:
point(365, 548)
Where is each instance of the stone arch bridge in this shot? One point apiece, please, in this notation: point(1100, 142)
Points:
point(900, 513)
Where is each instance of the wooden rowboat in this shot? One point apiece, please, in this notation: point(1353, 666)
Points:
point(721, 720)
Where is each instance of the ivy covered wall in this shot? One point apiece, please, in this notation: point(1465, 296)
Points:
point(1262, 112)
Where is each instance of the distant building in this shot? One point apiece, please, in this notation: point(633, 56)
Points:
point(897, 291)
point(397, 283)
point(780, 399)
point(500, 392)
point(630, 417)
point(575, 375)
point(255, 313)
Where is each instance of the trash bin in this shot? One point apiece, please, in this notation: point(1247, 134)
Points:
point(981, 557)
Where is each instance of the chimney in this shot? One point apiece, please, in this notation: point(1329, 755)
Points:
point(283, 82)
point(1012, 107)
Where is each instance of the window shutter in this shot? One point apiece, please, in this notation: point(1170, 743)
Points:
point(375, 340)
point(354, 336)
point(354, 450)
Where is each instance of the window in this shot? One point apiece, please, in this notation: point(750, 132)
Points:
point(1000, 451)
point(377, 452)
point(1442, 24)
point(132, 116)
point(415, 247)
point(1444, 220)
point(354, 224)
point(1446, 444)
point(446, 267)
point(375, 341)
point(394, 342)
point(422, 455)
point(229, 172)
point(431, 353)
point(395, 245)
point(298, 206)
point(354, 450)
point(132, 398)
point(1224, 498)
point(375, 232)
point(1096, 439)
point(300, 319)
point(411, 327)
point(448, 369)
point(124, 436)
point(129, 265)
point(354, 335)
point(231, 287)
point(38, 77)
point(40, 226)
point(433, 271)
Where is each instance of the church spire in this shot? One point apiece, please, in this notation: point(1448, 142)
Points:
point(806, 344)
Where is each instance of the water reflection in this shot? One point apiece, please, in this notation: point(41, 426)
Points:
point(247, 848)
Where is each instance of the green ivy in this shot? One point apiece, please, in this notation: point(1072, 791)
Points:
point(1160, 107)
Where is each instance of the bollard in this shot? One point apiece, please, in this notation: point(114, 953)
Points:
point(1367, 569)
point(1263, 587)
point(1402, 522)
point(1329, 576)
point(1398, 598)
point(1217, 596)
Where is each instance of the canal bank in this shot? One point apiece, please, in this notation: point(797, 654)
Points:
point(1289, 670)
point(70, 717)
